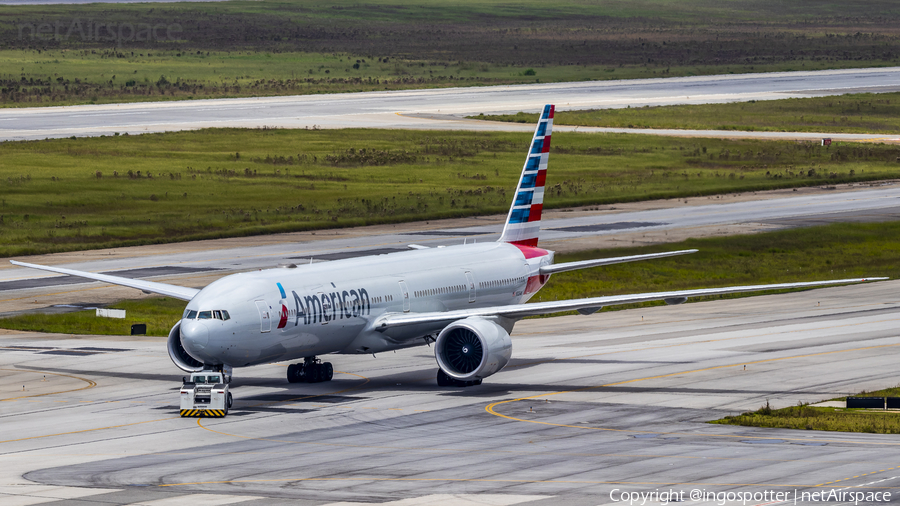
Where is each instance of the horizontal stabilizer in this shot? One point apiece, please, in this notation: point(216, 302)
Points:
point(179, 292)
point(518, 311)
point(584, 264)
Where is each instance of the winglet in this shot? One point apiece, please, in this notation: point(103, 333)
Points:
point(523, 223)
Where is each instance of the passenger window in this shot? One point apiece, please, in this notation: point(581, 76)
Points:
point(191, 315)
point(225, 315)
point(217, 315)
point(205, 315)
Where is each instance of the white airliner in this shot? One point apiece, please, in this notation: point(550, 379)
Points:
point(465, 299)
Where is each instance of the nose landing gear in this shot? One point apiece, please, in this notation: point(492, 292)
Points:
point(312, 370)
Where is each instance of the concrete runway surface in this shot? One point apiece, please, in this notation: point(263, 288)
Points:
point(445, 108)
point(590, 406)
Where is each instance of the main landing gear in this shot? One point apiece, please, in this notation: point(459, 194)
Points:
point(312, 370)
point(446, 381)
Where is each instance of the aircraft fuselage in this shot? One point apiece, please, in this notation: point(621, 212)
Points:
point(322, 308)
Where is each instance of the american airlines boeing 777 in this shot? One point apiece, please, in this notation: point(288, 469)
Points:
point(465, 299)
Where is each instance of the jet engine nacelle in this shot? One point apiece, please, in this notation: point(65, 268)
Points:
point(472, 349)
point(179, 355)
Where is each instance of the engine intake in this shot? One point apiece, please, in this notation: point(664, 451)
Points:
point(179, 355)
point(472, 349)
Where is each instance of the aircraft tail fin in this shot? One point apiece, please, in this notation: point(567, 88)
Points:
point(523, 223)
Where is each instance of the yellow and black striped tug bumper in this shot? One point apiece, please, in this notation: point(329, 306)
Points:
point(209, 413)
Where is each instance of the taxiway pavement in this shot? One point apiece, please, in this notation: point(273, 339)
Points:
point(589, 405)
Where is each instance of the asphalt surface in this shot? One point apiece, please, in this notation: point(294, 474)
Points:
point(591, 406)
point(445, 108)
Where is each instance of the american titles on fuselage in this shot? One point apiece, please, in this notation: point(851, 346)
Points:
point(325, 307)
point(317, 308)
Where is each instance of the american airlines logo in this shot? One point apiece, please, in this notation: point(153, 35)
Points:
point(326, 307)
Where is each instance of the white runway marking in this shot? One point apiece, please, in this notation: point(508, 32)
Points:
point(454, 500)
point(24, 495)
point(199, 500)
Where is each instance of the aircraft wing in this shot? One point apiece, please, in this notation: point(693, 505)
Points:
point(584, 264)
point(587, 305)
point(179, 292)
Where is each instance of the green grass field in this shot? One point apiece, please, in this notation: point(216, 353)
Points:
point(96, 53)
point(807, 254)
point(75, 194)
point(67, 77)
point(73, 77)
point(807, 417)
point(852, 113)
point(158, 313)
point(836, 251)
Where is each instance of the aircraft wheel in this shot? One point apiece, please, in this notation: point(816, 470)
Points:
point(327, 371)
point(293, 373)
point(443, 380)
point(313, 373)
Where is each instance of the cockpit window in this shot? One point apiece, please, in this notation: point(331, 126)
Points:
point(218, 314)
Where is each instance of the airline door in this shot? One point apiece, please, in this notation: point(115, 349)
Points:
point(404, 292)
point(265, 317)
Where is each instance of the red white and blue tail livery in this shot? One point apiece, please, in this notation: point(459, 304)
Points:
point(465, 299)
point(523, 223)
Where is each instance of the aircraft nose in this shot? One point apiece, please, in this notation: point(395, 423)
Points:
point(194, 335)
